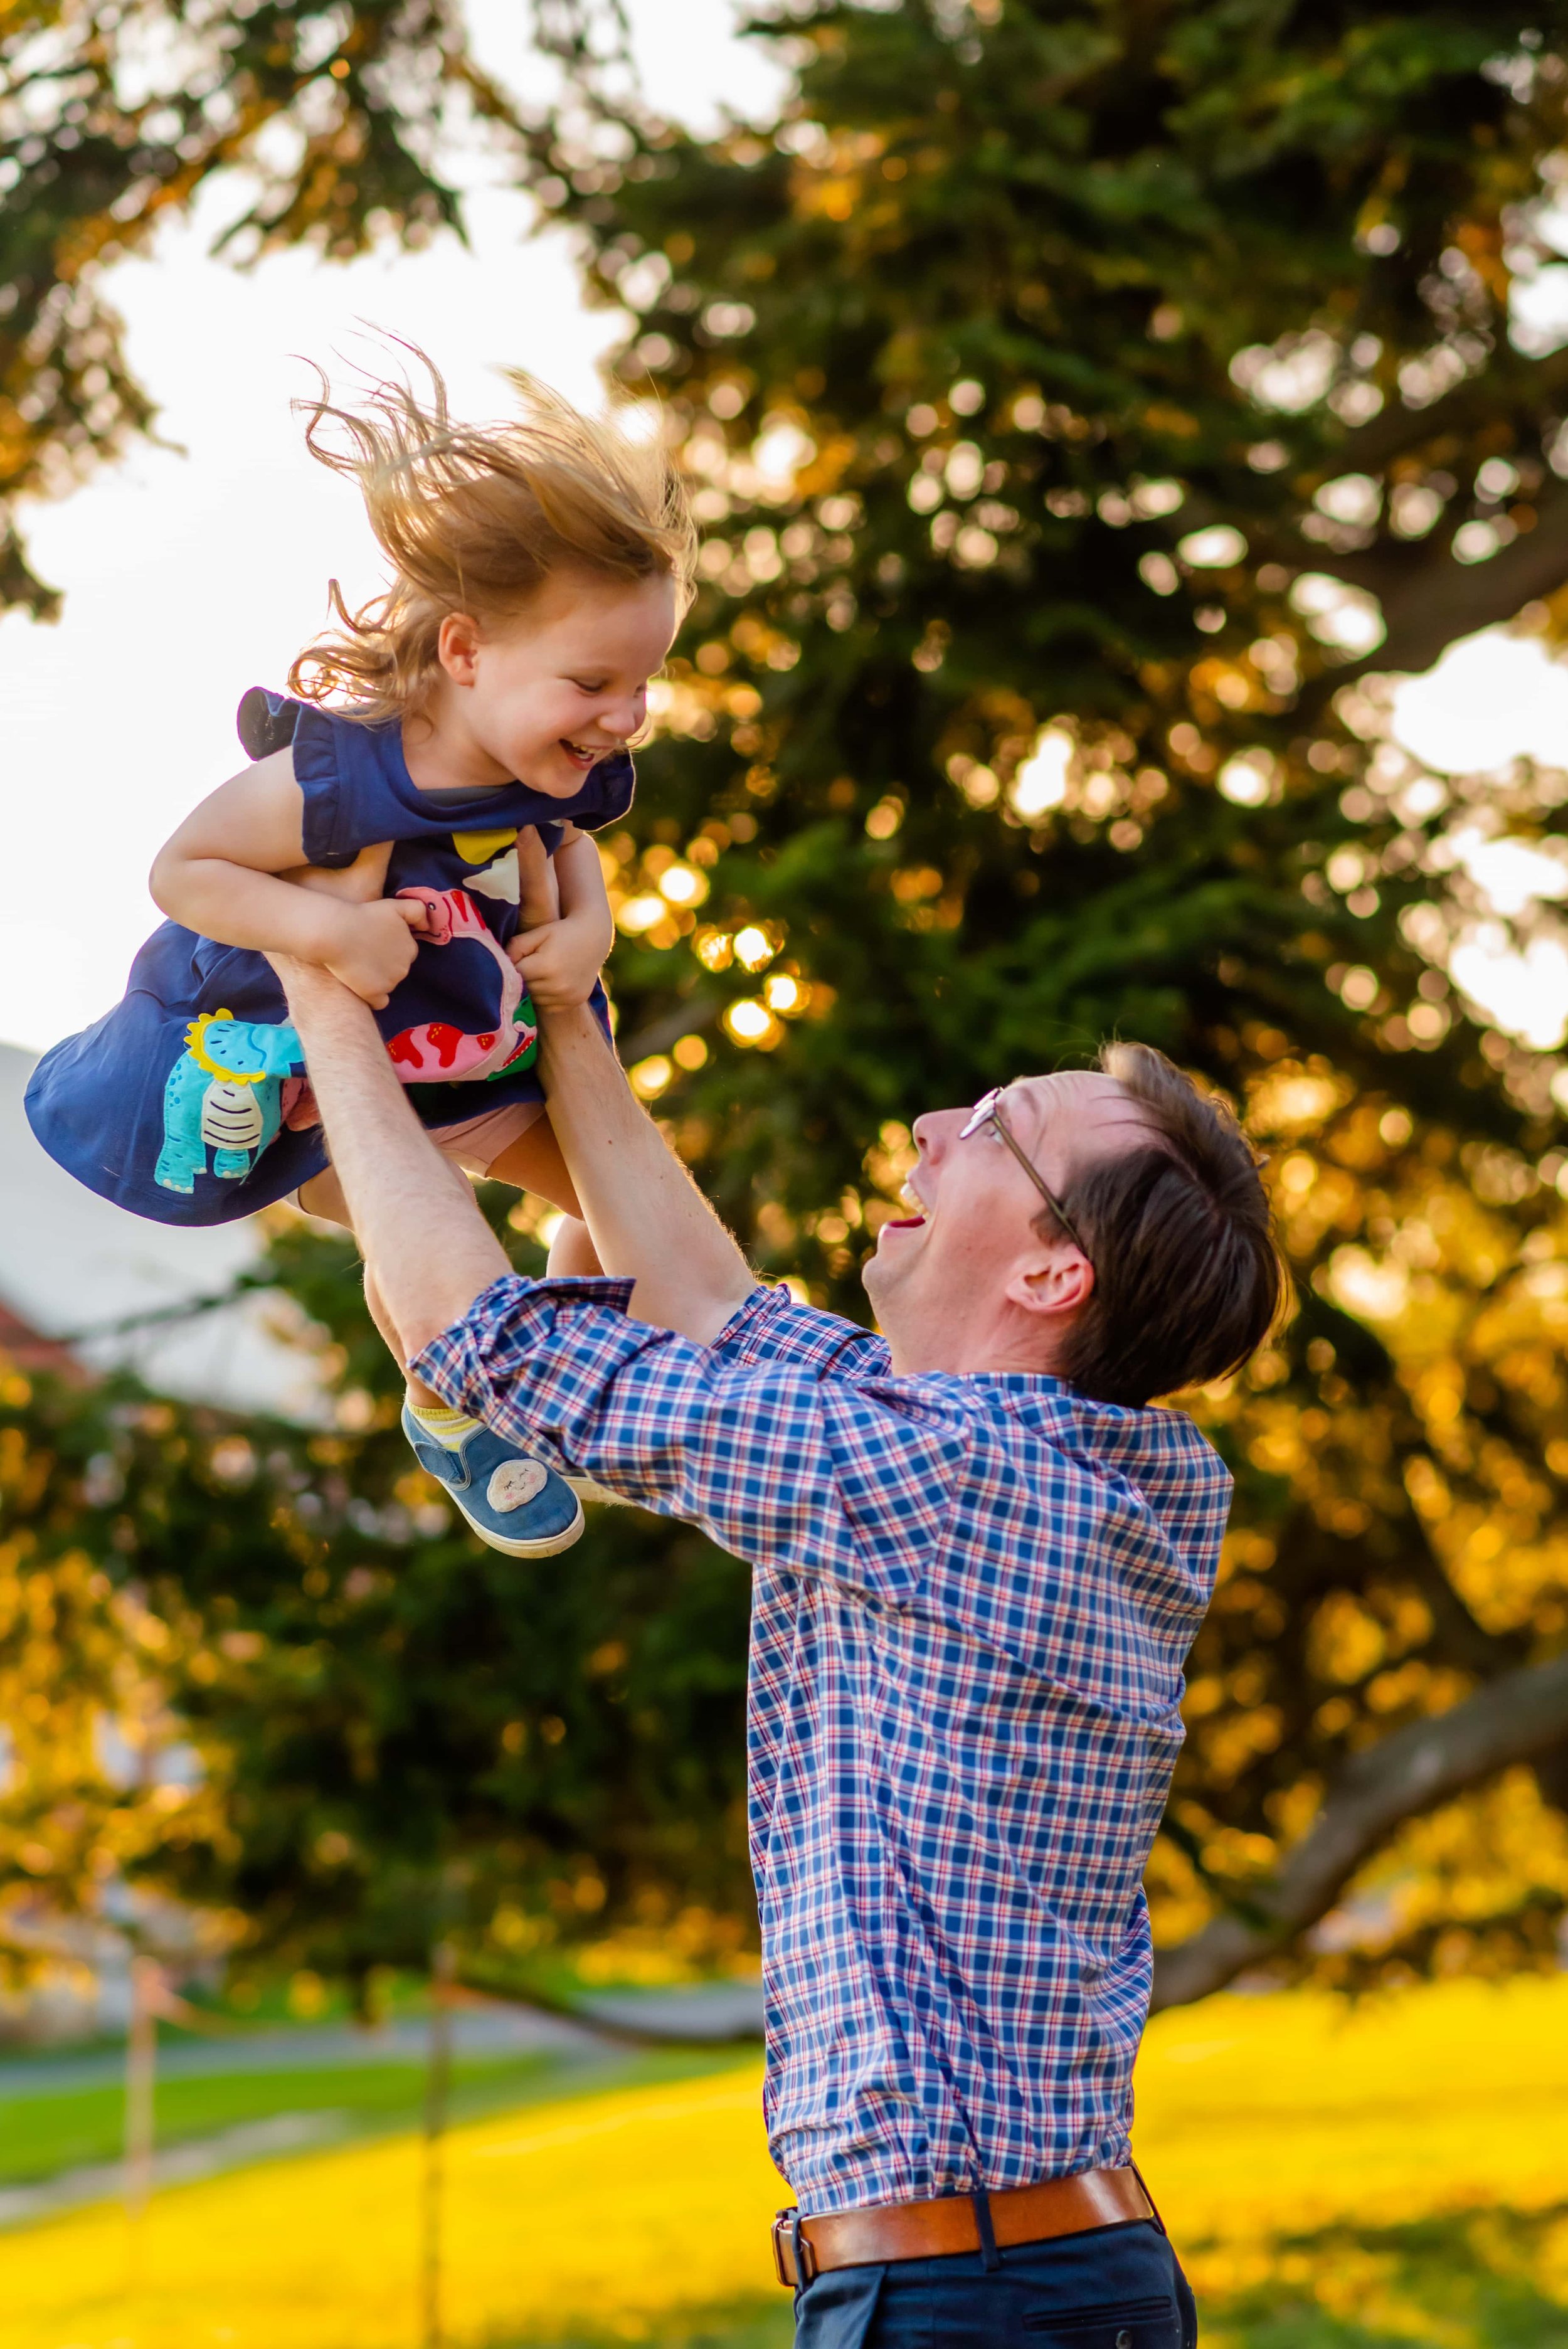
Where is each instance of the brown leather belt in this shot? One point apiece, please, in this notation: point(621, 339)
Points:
point(804, 2249)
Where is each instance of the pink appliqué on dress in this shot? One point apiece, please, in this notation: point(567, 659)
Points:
point(436, 1050)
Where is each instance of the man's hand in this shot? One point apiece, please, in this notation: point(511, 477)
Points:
point(570, 927)
point(560, 960)
point(370, 948)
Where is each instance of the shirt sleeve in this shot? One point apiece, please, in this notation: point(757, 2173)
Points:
point(771, 1327)
point(344, 802)
point(756, 1438)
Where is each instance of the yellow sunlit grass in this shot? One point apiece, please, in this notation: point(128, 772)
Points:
point(1258, 2120)
point(612, 2208)
point(1262, 2118)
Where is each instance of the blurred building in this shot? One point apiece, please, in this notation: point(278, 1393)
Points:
point(28, 1349)
point(83, 1281)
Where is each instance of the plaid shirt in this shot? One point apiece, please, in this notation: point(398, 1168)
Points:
point(972, 1598)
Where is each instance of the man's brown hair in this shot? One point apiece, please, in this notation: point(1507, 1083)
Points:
point(1187, 1277)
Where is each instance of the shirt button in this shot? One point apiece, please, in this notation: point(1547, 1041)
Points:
point(1124, 2340)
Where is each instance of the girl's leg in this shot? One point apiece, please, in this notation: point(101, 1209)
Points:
point(572, 1252)
point(533, 1162)
point(322, 1196)
point(511, 1500)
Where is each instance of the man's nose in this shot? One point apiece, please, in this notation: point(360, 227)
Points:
point(935, 1128)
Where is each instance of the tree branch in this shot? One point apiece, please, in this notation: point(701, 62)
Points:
point(1444, 599)
point(1470, 404)
point(1513, 1719)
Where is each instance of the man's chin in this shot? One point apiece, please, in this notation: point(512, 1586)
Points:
point(881, 1271)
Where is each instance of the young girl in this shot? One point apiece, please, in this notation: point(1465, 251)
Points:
point(417, 820)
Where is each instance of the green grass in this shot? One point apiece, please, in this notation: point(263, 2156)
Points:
point(1488, 2279)
point(42, 2135)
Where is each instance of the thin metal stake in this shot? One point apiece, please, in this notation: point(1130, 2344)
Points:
point(141, 2075)
point(437, 2082)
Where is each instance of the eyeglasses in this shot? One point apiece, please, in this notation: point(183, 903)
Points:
point(988, 1112)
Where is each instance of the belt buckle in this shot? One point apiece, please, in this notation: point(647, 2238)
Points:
point(786, 2229)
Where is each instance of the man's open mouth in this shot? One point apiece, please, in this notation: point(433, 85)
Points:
point(917, 1211)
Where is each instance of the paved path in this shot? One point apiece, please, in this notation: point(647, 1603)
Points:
point(707, 2011)
point(712, 2012)
point(479, 2030)
point(230, 2148)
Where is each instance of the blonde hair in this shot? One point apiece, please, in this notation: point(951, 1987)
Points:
point(477, 518)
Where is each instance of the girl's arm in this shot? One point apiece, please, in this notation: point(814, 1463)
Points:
point(562, 959)
point(223, 872)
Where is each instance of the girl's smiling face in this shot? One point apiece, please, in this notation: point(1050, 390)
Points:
point(542, 698)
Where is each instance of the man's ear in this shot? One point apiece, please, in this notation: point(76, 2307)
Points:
point(1053, 1284)
point(458, 647)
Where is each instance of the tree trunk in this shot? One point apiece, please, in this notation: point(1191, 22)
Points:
point(1512, 1719)
point(438, 2084)
point(140, 2078)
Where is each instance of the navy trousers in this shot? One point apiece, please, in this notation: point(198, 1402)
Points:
point(1110, 2288)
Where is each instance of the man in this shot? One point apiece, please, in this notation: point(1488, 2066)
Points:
point(980, 1561)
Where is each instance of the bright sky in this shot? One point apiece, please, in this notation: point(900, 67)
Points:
point(189, 576)
point(1491, 698)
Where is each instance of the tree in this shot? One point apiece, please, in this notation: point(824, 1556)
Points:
point(396, 1736)
point(402, 1736)
point(113, 117)
point(1086, 403)
point(86, 1800)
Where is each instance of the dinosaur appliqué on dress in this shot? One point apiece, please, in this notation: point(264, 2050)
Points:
point(229, 1090)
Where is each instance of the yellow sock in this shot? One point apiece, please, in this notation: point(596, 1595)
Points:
point(448, 1427)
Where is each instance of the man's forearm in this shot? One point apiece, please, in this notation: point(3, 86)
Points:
point(646, 1217)
point(413, 1216)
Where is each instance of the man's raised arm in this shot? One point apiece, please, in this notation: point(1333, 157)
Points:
point(415, 1217)
point(646, 1217)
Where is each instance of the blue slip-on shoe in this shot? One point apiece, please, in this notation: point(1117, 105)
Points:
point(512, 1500)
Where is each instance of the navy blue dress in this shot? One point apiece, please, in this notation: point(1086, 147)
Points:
point(189, 1102)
